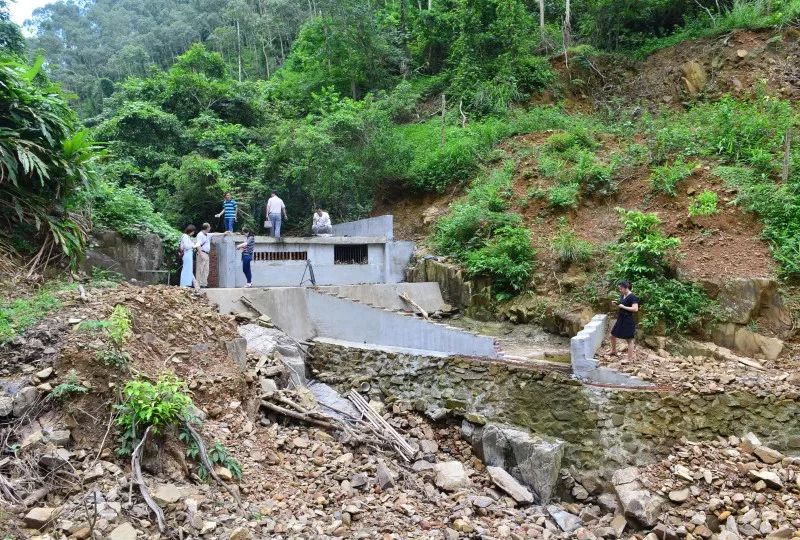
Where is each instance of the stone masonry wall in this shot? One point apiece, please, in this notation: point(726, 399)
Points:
point(604, 428)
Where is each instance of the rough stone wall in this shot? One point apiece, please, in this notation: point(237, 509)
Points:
point(473, 296)
point(129, 257)
point(603, 428)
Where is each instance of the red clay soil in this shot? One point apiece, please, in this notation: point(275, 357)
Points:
point(770, 56)
point(414, 213)
point(726, 245)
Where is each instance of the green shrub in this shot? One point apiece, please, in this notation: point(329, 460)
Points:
point(593, 175)
point(704, 204)
point(567, 247)
point(70, 387)
point(642, 255)
point(564, 196)
point(507, 258)
point(665, 178)
point(643, 250)
point(119, 327)
point(113, 357)
point(561, 142)
point(218, 454)
point(672, 305)
point(160, 405)
point(551, 166)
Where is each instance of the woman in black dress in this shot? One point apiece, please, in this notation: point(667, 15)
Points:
point(625, 327)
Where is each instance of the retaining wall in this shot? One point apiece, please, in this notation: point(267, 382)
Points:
point(375, 226)
point(604, 428)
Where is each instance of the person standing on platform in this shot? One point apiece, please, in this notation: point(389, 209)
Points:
point(230, 209)
point(276, 212)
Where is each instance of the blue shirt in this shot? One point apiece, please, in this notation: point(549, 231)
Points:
point(230, 209)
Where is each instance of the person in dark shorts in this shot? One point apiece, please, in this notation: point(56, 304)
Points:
point(625, 327)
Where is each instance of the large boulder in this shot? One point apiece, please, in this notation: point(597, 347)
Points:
point(741, 299)
point(637, 502)
point(451, 476)
point(532, 459)
point(693, 78)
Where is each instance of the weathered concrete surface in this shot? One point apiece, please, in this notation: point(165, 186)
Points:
point(602, 427)
point(305, 314)
point(386, 295)
point(375, 226)
point(130, 257)
point(386, 261)
point(382, 295)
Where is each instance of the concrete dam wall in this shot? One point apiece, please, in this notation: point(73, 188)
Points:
point(306, 314)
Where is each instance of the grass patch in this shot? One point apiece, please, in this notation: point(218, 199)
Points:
point(18, 315)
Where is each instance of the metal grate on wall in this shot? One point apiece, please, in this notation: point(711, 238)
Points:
point(350, 254)
point(269, 256)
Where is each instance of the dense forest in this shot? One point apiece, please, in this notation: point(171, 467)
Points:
point(166, 105)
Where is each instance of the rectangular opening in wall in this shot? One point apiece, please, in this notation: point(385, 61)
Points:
point(269, 256)
point(350, 254)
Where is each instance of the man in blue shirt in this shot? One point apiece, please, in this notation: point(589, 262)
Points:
point(230, 209)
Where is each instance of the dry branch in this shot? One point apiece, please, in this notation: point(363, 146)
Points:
point(206, 461)
point(136, 468)
point(404, 296)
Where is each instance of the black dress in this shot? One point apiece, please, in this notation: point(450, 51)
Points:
point(625, 327)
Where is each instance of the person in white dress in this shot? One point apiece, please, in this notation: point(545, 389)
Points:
point(186, 251)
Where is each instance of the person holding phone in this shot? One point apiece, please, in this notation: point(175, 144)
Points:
point(625, 327)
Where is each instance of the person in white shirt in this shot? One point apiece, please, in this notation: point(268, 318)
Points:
point(322, 222)
point(275, 211)
point(203, 246)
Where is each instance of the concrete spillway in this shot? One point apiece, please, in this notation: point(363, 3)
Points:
point(307, 314)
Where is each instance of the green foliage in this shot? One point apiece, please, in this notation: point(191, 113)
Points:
point(778, 206)
point(665, 178)
point(434, 166)
point(643, 251)
point(563, 196)
point(119, 325)
point(672, 306)
point(704, 204)
point(643, 255)
point(18, 315)
point(482, 234)
point(126, 211)
point(160, 405)
point(69, 388)
point(507, 257)
point(44, 156)
point(218, 454)
point(113, 357)
point(568, 247)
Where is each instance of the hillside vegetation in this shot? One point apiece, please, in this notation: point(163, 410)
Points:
point(535, 124)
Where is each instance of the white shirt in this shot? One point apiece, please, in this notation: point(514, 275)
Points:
point(203, 242)
point(323, 220)
point(186, 243)
point(275, 205)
